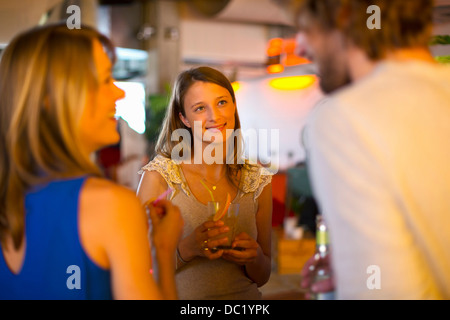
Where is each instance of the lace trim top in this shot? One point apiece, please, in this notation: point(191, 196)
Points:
point(253, 177)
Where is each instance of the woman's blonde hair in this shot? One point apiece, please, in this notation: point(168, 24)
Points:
point(172, 121)
point(45, 74)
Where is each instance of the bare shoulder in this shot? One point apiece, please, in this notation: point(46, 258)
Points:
point(105, 199)
point(105, 194)
point(105, 188)
point(152, 184)
point(154, 178)
point(105, 209)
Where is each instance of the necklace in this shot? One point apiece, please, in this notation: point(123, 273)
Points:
point(214, 185)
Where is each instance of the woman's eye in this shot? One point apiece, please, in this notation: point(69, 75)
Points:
point(222, 102)
point(198, 109)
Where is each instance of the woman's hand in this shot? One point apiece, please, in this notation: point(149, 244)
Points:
point(245, 250)
point(166, 230)
point(167, 226)
point(204, 241)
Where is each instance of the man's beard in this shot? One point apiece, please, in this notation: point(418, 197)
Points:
point(333, 77)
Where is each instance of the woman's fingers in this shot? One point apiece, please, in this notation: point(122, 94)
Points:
point(216, 233)
point(244, 242)
point(215, 243)
point(244, 249)
point(166, 219)
point(211, 232)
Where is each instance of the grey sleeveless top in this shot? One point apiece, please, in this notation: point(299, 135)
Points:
point(201, 278)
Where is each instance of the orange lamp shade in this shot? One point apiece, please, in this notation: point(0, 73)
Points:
point(275, 68)
point(275, 47)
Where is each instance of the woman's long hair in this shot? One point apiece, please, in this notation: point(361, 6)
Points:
point(172, 121)
point(45, 74)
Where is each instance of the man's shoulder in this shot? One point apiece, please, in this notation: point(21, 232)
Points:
point(390, 89)
point(394, 79)
point(364, 95)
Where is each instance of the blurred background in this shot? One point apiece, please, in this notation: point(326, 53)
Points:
point(253, 42)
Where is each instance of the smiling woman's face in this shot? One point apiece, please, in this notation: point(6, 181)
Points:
point(213, 107)
point(98, 125)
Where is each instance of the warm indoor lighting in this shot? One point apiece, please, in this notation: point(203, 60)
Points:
point(291, 58)
point(282, 53)
point(275, 68)
point(294, 60)
point(275, 47)
point(293, 83)
point(236, 85)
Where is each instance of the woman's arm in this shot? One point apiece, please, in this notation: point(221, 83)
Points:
point(259, 269)
point(167, 227)
point(113, 230)
point(256, 258)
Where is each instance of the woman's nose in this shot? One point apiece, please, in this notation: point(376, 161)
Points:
point(118, 93)
point(214, 113)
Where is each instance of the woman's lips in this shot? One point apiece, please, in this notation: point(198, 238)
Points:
point(218, 128)
point(113, 116)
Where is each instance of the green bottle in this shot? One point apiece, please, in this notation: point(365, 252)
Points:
point(321, 268)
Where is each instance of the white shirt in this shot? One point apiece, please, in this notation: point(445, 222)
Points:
point(379, 160)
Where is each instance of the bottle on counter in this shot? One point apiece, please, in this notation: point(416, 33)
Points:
point(321, 268)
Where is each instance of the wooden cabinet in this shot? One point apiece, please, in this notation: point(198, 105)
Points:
point(290, 255)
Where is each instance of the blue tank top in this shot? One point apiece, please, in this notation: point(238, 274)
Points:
point(55, 265)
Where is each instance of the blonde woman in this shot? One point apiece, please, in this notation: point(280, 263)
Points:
point(65, 232)
point(208, 159)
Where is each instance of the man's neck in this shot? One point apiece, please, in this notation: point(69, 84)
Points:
point(359, 64)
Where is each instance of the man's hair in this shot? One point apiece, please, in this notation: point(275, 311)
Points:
point(404, 23)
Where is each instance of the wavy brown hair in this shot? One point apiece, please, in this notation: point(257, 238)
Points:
point(45, 74)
